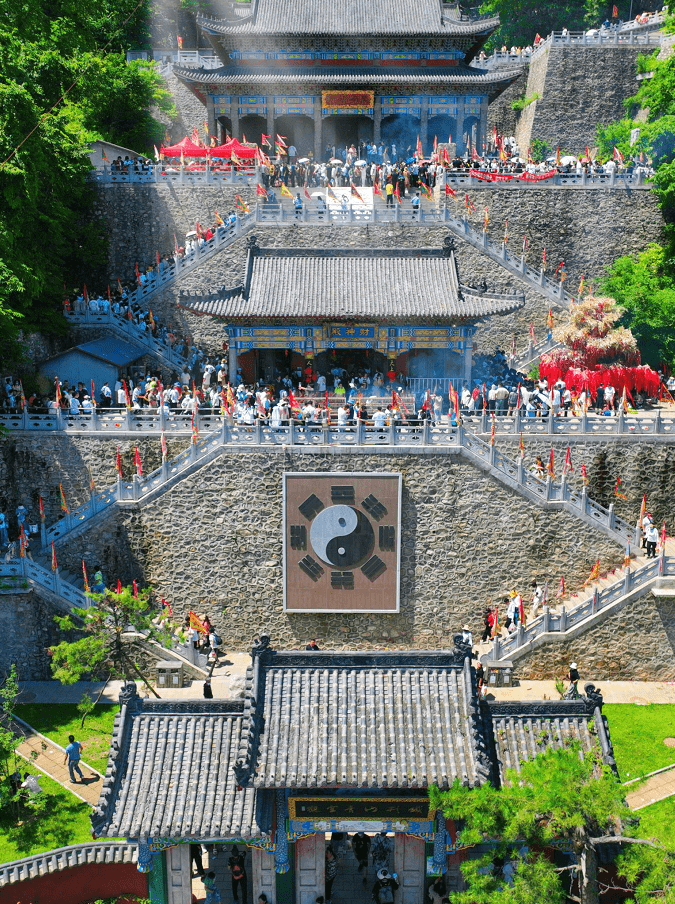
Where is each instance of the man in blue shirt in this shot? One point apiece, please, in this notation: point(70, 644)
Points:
point(73, 753)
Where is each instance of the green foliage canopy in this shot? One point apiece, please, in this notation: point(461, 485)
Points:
point(522, 19)
point(76, 47)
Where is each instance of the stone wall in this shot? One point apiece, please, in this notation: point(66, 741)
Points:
point(580, 88)
point(213, 543)
point(636, 644)
point(501, 115)
point(587, 228)
point(191, 111)
point(27, 629)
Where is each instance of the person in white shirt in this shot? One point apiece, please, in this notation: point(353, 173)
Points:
point(342, 415)
point(74, 405)
point(380, 418)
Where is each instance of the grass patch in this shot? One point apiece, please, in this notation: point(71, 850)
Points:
point(522, 102)
point(58, 720)
point(658, 821)
point(65, 821)
point(637, 733)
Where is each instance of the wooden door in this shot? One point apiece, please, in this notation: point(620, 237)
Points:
point(310, 868)
point(409, 863)
point(264, 877)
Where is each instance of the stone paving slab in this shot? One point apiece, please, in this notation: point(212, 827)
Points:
point(639, 692)
point(44, 754)
point(656, 788)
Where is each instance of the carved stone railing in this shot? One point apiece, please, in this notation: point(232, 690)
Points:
point(565, 624)
point(188, 174)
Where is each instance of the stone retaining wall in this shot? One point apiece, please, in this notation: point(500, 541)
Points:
point(27, 628)
point(636, 644)
point(587, 228)
point(580, 88)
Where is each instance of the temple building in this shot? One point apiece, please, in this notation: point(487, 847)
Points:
point(321, 745)
point(397, 310)
point(325, 74)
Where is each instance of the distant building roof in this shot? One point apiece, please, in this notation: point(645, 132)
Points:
point(353, 17)
point(349, 283)
point(109, 349)
point(170, 774)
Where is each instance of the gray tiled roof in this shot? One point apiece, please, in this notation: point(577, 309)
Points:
point(170, 774)
point(522, 730)
point(353, 76)
point(66, 858)
point(351, 283)
point(369, 720)
point(356, 17)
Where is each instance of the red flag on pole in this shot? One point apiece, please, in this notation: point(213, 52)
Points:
point(135, 590)
point(54, 563)
point(23, 542)
point(119, 463)
point(42, 510)
point(561, 587)
point(643, 508)
point(663, 537)
point(595, 573)
point(492, 431)
point(163, 446)
point(551, 466)
point(534, 341)
point(584, 473)
point(549, 319)
point(567, 467)
point(86, 579)
point(62, 500)
point(522, 444)
point(137, 462)
point(397, 193)
point(450, 191)
point(617, 489)
point(119, 586)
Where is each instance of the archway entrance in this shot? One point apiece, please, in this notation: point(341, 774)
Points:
point(443, 127)
point(342, 129)
point(252, 127)
point(401, 131)
point(299, 131)
point(224, 124)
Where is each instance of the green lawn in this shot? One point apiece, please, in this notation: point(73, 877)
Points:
point(658, 821)
point(637, 733)
point(58, 720)
point(64, 822)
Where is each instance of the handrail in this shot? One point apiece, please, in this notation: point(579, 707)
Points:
point(558, 625)
point(121, 325)
point(412, 437)
point(183, 174)
point(27, 571)
point(148, 422)
point(633, 180)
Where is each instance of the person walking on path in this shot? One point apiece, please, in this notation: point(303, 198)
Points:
point(361, 848)
point(652, 538)
point(212, 893)
point(331, 871)
point(72, 757)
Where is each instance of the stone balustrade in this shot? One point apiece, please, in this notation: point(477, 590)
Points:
point(654, 426)
point(611, 180)
point(181, 175)
point(567, 623)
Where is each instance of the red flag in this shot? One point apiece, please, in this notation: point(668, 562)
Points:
point(126, 395)
point(617, 155)
point(376, 188)
point(119, 586)
point(85, 294)
point(470, 206)
point(397, 193)
point(54, 563)
point(260, 191)
point(109, 295)
point(522, 444)
point(486, 220)
point(168, 607)
point(138, 276)
point(119, 463)
point(137, 462)
point(567, 467)
point(197, 624)
point(307, 194)
point(86, 579)
point(663, 537)
point(549, 319)
point(615, 12)
point(42, 509)
point(327, 406)
point(180, 42)
point(595, 573)
point(175, 245)
point(617, 489)
point(534, 341)
point(551, 466)
point(561, 587)
point(521, 612)
point(62, 499)
point(584, 473)
point(492, 432)
point(163, 445)
point(135, 590)
point(265, 139)
point(446, 157)
point(355, 192)
point(23, 542)
point(543, 260)
point(93, 393)
point(559, 269)
point(195, 431)
point(643, 508)
point(450, 191)
point(484, 398)
point(474, 153)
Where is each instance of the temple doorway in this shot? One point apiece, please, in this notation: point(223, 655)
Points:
point(342, 129)
point(298, 131)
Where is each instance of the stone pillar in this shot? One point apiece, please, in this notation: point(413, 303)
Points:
point(440, 858)
point(424, 124)
point(232, 359)
point(377, 120)
point(234, 116)
point(459, 129)
point(318, 130)
point(270, 122)
point(468, 355)
point(211, 116)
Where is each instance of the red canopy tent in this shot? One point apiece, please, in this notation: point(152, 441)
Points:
point(187, 147)
point(242, 151)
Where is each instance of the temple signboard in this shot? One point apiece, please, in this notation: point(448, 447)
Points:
point(365, 814)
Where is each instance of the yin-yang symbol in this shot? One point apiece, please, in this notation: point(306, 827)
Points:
point(342, 536)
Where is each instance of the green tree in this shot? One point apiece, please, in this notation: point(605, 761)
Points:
point(559, 796)
point(642, 285)
point(109, 638)
point(520, 20)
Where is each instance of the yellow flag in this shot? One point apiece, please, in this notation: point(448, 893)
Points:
point(285, 193)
